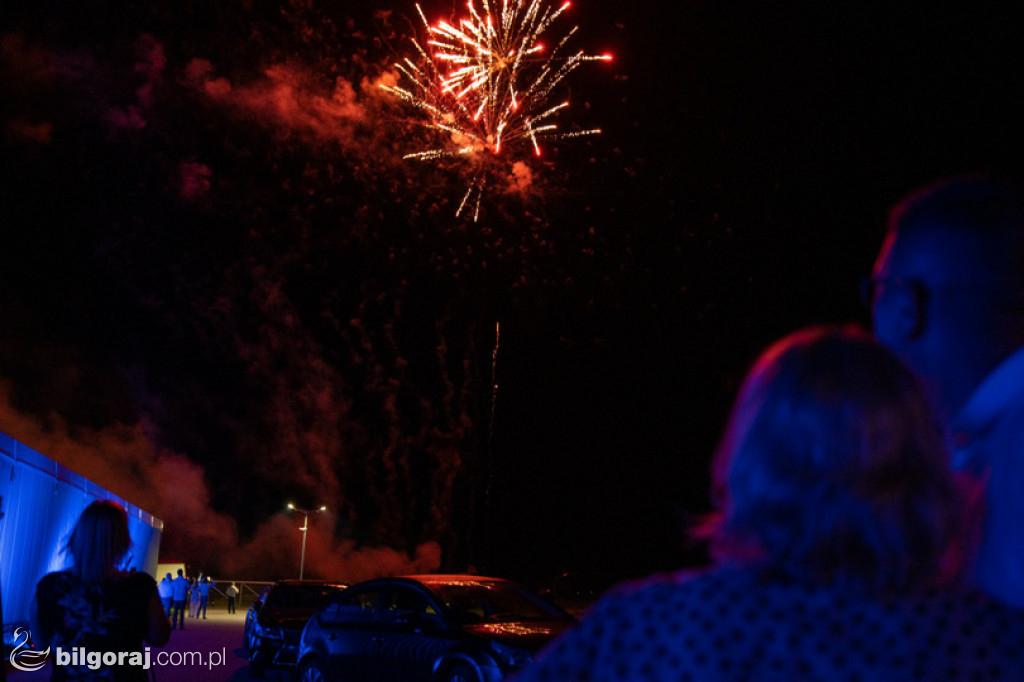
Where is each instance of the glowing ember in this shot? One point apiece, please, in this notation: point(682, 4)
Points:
point(486, 82)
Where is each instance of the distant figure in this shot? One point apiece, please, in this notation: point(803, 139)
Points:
point(836, 542)
point(180, 596)
point(95, 605)
point(947, 294)
point(193, 603)
point(166, 591)
point(204, 595)
point(232, 593)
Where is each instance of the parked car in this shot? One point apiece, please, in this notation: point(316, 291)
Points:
point(273, 635)
point(250, 617)
point(428, 628)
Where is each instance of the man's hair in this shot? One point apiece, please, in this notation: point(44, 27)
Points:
point(986, 210)
point(99, 541)
point(832, 468)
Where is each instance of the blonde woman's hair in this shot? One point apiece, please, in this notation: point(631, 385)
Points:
point(99, 541)
point(833, 468)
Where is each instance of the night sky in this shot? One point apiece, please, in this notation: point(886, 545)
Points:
point(222, 289)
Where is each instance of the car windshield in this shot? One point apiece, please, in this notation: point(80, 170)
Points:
point(298, 597)
point(494, 601)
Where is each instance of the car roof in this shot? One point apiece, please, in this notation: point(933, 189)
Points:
point(451, 578)
point(310, 583)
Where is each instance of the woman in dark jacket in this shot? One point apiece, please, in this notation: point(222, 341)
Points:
point(94, 609)
point(839, 541)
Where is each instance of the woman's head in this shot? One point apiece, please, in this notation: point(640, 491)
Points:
point(833, 468)
point(99, 541)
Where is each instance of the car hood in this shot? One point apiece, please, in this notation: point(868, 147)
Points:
point(532, 635)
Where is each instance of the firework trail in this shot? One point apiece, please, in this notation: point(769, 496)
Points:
point(486, 82)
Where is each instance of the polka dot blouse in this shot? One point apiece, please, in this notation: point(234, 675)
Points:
point(732, 625)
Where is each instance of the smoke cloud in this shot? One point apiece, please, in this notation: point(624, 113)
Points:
point(279, 339)
point(521, 179)
point(287, 98)
point(124, 460)
point(277, 546)
point(195, 179)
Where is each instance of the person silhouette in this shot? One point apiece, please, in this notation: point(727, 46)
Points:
point(947, 295)
point(94, 604)
point(179, 587)
point(837, 544)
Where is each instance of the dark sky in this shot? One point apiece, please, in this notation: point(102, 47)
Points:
point(222, 288)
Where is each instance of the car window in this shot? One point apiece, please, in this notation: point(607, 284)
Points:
point(300, 596)
point(403, 602)
point(353, 606)
point(475, 601)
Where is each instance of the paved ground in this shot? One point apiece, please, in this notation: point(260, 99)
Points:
point(219, 638)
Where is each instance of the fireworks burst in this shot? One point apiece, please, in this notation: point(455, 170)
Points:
point(486, 83)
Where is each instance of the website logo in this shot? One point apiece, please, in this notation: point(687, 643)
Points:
point(26, 659)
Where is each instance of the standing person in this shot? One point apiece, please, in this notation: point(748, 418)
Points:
point(204, 595)
point(947, 294)
point(193, 599)
point(232, 593)
point(179, 596)
point(95, 605)
point(166, 591)
point(836, 543)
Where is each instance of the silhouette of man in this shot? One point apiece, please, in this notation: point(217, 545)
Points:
point(166, 591)
point(179, 595)
point(947, 294)
point(232, 593)
point(204, 587)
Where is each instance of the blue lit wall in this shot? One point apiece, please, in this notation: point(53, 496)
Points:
point(41, 503)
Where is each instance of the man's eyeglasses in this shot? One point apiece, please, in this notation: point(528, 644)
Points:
point(871, 288)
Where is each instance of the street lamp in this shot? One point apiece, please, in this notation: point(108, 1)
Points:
point(305, 526)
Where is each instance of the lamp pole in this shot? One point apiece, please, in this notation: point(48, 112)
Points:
point(305, 526)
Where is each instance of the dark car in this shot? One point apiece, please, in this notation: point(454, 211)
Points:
point(432, 628)
point(273, 635)
point(250, 617)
